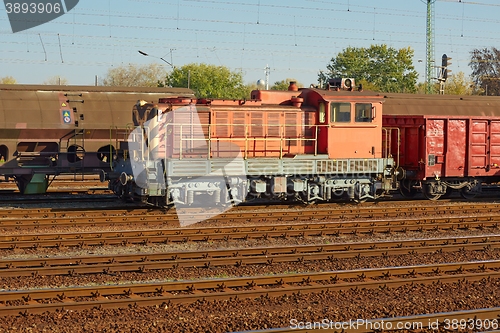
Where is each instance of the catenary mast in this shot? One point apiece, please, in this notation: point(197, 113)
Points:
point(429, 61)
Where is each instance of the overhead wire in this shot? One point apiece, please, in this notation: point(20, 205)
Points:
point(303, 32)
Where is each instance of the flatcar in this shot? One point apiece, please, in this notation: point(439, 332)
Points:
point(302, 145)
point(51, 130)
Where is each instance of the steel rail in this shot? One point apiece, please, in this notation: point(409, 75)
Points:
point(144, 294)
point(48, 218)
point(126, 237)
point(238, 257)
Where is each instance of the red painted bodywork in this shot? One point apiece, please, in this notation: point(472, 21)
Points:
point(445, 146)
point(274, 124)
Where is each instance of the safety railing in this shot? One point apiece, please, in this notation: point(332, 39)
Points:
point(387, 142)
point(182, 142)
point(116, 136)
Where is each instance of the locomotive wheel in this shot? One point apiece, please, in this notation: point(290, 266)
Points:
point(428, 193)
point(407, 189)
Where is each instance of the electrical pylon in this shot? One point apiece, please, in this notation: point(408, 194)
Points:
point(429, 62)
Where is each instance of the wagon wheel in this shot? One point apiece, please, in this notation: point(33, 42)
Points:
point(406, 189)
point(360, 201)
point(448, 193)
point(468, 193)
point(429, 193)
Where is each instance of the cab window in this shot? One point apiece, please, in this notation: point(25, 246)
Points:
point(363, 113)
point(340, 112)
point(322, 113)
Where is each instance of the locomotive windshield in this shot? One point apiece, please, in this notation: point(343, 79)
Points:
point(363, 113)
point(340, 112)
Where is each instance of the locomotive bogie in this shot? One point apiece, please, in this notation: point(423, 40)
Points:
point(189, 181)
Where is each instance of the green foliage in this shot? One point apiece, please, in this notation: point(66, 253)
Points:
point(209, 81)
point(458, 84)
point(382, 68)
point(485, 66)
point(422, 88)
point(7, 80)
point(134, 75)
point(283, 84)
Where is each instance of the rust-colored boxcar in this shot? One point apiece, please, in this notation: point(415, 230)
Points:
point(444, 152)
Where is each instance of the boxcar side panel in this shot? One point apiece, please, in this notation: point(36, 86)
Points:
point(435, 135)
point(484, 147)
point(495, 143)
point(478, 147)
point(455, 154)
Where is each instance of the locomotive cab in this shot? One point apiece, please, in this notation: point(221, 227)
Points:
point(350, 127)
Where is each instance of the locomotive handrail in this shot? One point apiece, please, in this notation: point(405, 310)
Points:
point(128, 129)
point(316, 141)
point(388, 140)
point(206, 136)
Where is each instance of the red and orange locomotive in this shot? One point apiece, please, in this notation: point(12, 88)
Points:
point(306, 145)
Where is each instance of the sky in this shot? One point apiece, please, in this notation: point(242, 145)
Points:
point(294, 39)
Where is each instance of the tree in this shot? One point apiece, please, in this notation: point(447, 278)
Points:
point(283, 84)
point(209, 81)
point(56, 81)
point(485, 66)
point(422, 88)
point(383, 68)
point(458, 84)
point(7, 80)
point(133, 75)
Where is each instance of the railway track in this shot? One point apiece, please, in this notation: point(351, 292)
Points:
point(278, 222)
point(272, 231)
point(111, 264)
point(375, 209)
point(167, 293)
point(40, 218)
point(60, 191)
